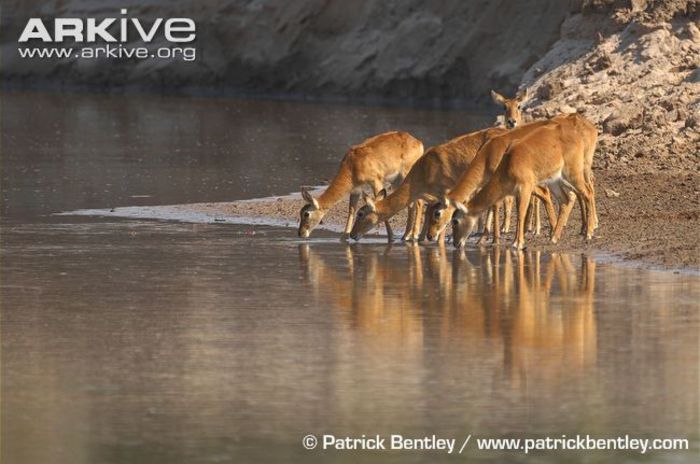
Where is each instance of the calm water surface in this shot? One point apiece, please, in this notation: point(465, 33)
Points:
point(154, 342)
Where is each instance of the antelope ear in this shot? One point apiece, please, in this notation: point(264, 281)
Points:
point(381, 195)
point(308, 198)
point(522, 94)
point(460, 206)
point(498, 98)
point(370, 202)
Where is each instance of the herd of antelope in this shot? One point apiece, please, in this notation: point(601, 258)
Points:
point(466, 181)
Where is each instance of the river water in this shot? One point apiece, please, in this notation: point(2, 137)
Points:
point(135, 341)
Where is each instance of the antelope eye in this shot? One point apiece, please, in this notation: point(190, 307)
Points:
point(437, 213)
point(306, 214)
point(455, 223)
point(360, 214)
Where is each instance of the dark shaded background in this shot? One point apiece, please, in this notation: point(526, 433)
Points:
point(408, 50)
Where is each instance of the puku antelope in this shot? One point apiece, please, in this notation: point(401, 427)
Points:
point(476, 175)
point(434, 185)
point(431, 176)
point(382, 160)
point(512, 117)
point(555, 155)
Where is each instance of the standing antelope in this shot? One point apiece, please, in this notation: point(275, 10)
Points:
point(384, 159)
point(512, 116)
point(431, 176)
point(553, 154)
point(480, 170)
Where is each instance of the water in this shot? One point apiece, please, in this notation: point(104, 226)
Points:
point(85, 151)
point(134, 341)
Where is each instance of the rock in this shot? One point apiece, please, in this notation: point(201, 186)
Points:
point(694, 76)
point(614, 126)
point(692, 32)
point(550, 89)
point(654, 118)
point(623, 119)
point(599, 61)
point(638, 5)
point(538, 112)
point(667, 105)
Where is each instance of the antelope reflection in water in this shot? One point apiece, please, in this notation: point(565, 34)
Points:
point(527, 318)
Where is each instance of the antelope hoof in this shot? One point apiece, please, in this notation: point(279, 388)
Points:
point(345, 237)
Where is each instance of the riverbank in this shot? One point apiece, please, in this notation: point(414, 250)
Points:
point(652, 219)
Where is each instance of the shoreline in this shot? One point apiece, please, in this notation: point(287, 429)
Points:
point(647, 220)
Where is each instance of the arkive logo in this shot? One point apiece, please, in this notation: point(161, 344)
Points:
point(175, 30)
point(115, 33)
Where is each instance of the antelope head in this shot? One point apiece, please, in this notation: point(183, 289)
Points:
point(310, 215)
point(463, 224)
point(438, 216)
point(512, 115)
point(367, 218)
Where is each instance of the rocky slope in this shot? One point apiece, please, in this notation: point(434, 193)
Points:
point(634, 73)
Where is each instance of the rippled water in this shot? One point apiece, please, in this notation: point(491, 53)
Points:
point(131, 341)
